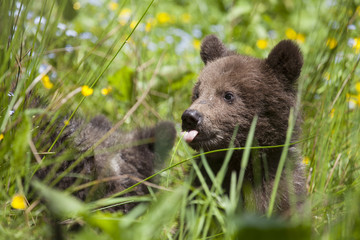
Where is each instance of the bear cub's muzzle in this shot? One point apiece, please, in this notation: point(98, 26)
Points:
point(191, 119)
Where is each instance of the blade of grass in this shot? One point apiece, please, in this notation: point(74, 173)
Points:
point(246, 154)
point(221, 175)
point(281, 162)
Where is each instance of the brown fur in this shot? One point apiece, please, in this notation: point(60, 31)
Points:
point(126, 156)
point(261, 87)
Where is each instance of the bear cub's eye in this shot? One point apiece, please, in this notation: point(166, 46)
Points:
point(195, 96)
point(229, 97)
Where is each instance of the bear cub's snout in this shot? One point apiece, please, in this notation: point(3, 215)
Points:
point(191, 119)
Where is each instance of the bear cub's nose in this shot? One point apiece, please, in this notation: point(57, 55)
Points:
point(190, 119)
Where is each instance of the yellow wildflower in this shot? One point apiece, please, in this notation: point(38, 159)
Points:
point(300, 38)
point(113, 6)
point(332, 112)
point(353, 100)
point(356, 44)
point(46, 82)
point(133, 24)
point(185, 17)
point(18, 201)
point(293, 35)
point(290, 34)
point(126, 12)
point(326, 76)
point(148, 27)
point(106, 91)
point(1, 136)
point(77, 6)
point(331, 43)
point(349, 96)
point(124, 16)
point(86, 90)
point(357, 87)
point(262, 43)
point(196, 44)
point(150, 23)
point(66, 122)
point(306, 160)
point(164, 18)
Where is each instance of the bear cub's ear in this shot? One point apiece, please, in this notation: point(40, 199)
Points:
point(212, 48)
point(286, 59)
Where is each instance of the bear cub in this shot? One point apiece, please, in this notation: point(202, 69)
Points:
point(120, 161)
point(231, 90)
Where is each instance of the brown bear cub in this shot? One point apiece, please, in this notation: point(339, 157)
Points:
point(231, 90)
point(120, 161)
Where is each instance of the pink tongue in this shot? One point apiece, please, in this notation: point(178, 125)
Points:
point(189, 136)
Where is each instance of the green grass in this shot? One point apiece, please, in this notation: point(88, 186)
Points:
point(147, 55)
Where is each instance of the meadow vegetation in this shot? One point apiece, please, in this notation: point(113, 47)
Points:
point(136, 62)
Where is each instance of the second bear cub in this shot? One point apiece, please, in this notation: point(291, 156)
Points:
point(120, 161)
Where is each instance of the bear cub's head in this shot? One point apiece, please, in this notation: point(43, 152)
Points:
point(233, 88)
